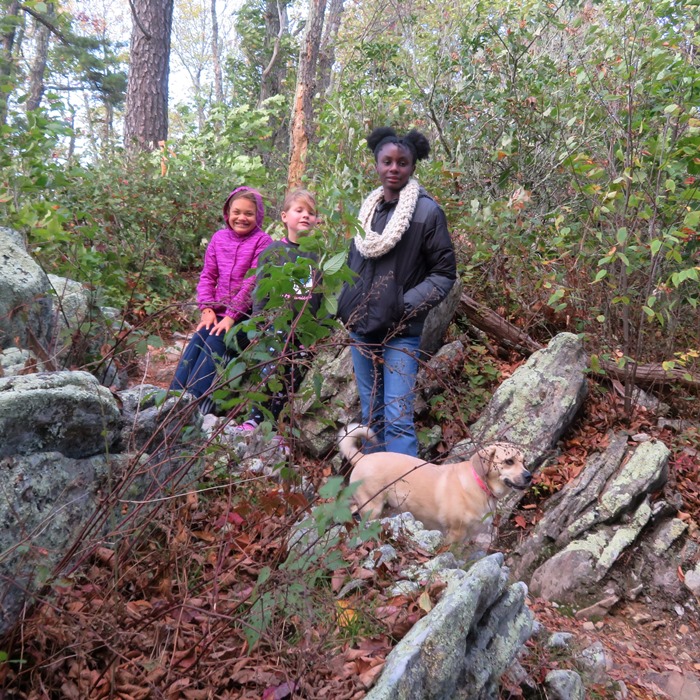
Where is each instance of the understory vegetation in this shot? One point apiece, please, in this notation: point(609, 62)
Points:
point(566, 155)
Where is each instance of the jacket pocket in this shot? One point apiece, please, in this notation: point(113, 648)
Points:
point(385, 307)
point(349, 302)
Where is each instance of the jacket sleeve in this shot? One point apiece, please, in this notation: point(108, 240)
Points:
point(441, 264)
point(242, 302)
point(206, 287)
point(259, 301)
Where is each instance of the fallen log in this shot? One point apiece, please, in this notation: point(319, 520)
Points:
point(500, 329)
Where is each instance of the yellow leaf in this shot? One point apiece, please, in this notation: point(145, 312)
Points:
point(346, 615)
point(424, 602)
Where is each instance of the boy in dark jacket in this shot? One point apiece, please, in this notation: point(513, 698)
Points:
point(299, 214)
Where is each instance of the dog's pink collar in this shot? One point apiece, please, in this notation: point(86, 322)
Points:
point(482, 484)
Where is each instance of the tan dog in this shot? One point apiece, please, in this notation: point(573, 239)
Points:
point(454, 498)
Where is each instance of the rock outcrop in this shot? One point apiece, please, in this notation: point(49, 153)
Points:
point(71, 461)
point(26, 318)
point(534, 407)
point(465, 644)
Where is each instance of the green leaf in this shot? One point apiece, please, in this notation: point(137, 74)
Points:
point(555, 297)
point(692, 219)
point(334, 264)
point(332, 487)
point(621, 235)
point(264, 575)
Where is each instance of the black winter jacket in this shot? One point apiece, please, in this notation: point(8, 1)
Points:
point(392, 294)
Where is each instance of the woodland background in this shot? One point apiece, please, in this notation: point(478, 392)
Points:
point(567, 158)
point(566, 146)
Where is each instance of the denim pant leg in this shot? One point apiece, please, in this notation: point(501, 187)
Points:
point(367, 363)
point(189, 359)
point(401, 357)
point(197, 369)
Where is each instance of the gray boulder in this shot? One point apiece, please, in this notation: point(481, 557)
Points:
point(438, 320)
point(564, 685)
point(534, 406)
point(82, 329)
point(47, 501)
point(66, 412)
point(592, 521)
point(465, 644)
point(25, 307)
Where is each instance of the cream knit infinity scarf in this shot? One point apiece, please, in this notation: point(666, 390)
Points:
point(374, 245)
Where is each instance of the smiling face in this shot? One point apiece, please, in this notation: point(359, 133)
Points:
point(299, 217)
point(242, 214)
point(395, 165)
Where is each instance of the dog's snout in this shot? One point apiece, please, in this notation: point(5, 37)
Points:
point(527, 476)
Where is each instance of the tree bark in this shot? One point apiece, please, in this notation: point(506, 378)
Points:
point(497, 327)
point(146, 118)
point(38, 67)
point(7, 61)
point(326, 57)
point(215, 56)
point(302, 109)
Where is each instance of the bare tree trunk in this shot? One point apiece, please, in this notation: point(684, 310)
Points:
point(7, 60)
point(146, 118)
point(302, 109)
point(215, 57)
point(38, 67)
point(275, 28)
point(326, 57)
point(498, 327)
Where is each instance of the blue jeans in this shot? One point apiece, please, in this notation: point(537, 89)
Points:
point(386, 377)
point(204, 354)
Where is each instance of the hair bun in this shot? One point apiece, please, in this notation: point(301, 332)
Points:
point(378, 135)
point(420, 143)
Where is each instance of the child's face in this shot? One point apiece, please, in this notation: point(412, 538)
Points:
point(242, 215)
point(298, 218)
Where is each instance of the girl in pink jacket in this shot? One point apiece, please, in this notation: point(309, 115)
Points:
point(224, 291)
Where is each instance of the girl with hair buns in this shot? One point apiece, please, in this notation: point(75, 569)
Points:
point(404, 265)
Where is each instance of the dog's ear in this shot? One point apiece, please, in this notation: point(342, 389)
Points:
point(483, 459)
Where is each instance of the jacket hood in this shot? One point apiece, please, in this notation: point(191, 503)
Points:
point(259, 208)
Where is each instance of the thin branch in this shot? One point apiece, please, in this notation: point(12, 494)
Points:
point(138, 22)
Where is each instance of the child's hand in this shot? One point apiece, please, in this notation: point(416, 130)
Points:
point(208, 319)
point(223, 326)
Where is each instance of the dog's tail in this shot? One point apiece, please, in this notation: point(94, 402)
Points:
point(349, 439)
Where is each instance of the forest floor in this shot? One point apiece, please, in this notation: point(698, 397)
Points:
point(164, 638)
point(654, 645)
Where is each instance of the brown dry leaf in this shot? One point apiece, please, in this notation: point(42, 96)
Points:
point(337, 582)
point(174, 692)
point(138, 608)
point(363, 573)
point(205, 536)
point(368, 676)
point(105, 555)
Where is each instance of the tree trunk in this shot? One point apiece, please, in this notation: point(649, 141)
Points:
point(326, 57)
point(215, 57)
point(275, 27)
point(38, 67)
point(146, 118)
point(497, 327)
point(302, 109)
point(10, 20)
